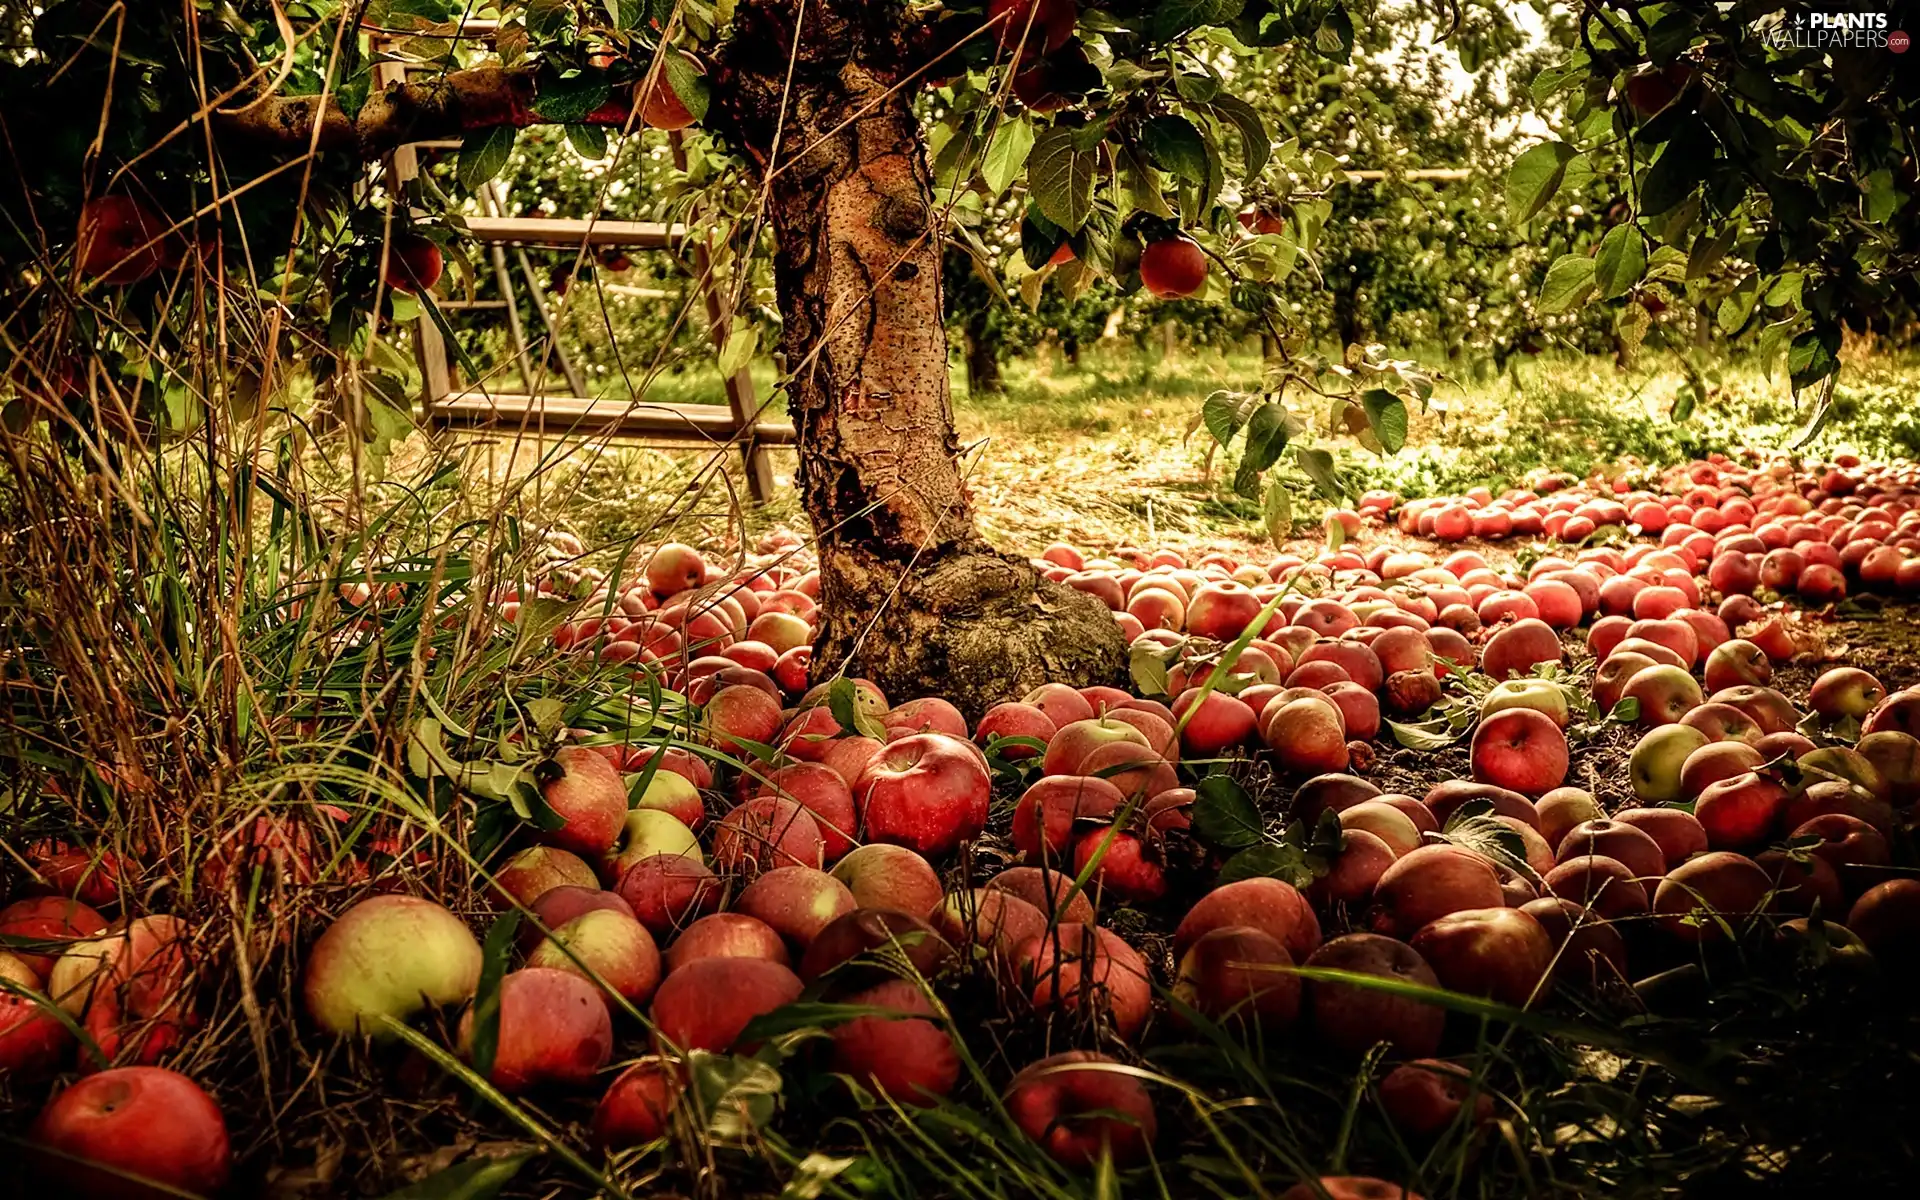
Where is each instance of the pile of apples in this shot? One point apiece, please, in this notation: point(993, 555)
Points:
point(1783, 525)
point(812, 840)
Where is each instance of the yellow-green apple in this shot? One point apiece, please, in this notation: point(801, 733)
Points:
point(589, 797)
point(1738, 663)
point(386, 959)
point(1430, 883)
point(1839, 762)
point(726, 935)
point(645, 833)
point(148, 1123)
point(1709, 893)
point(555, 1030)
point(706, 1003)
point(1655, 768)
point(1498, 952)
point(1665, 694)
point(797, 902)
point(883, 875)
point(1082, 1107)
point(671, 792)
point(668, 890)
point(1845, 692)
point(1384, 821)
point(532, 872)
point(1541, 695)
point(1563, 808)
point(1237, 972)
point(675, 567)
point(1896, 756)
point(606, 946)
point(563, 904)
point(1520, 749)
point(928, 792)
point(1354, 1019)
point(1272, 906)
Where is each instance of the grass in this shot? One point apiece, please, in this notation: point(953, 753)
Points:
point(185, 686)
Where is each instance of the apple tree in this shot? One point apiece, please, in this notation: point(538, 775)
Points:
point(1768, 175)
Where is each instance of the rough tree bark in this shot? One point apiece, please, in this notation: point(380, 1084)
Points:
point(913, 598)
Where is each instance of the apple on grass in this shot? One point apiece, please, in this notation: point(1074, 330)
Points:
point(1430, 883)
point(1348, 1187)
point(882, 875)
point(1354, 1019)
point(1654, 768)
point(536, 870)
point(989, 922)
point(1703, 898)
point(388, 958)
point(796, 902)
point(48, 920)
point(1501, 953)
point(33, 1041)
point(1425, 1097)
point(908, 1057)
point(589, 797)
point(1081, 1105)
point(668, 890)
point(608, 947)
point(1087, 970)
point(928, 792)
point(645, 833)
point(95, 1138)
point(1271, 906)
point(706, 1003)
point(1237, 972)
point(726, 935)
point(639, 1104)
point(554, 1029)
point(1520, 749)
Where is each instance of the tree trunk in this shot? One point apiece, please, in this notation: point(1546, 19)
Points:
point(911, 596)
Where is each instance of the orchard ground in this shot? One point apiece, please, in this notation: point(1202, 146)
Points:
point(1661, 1101)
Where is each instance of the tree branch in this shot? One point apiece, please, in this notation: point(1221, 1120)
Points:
point(449, 106)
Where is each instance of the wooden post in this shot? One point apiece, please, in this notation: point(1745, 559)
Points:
point(739, 383)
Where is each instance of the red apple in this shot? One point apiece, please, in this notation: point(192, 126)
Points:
point(726, 935)
point(667, 890)
point(1430, 883)
point(910, 1058)
point(1082, 1106)
point(1272, 906)
point(1704, 896)
point(1353, 1019)
point(928, 792)
point(590, 798)
point(882, 875)
point(606, 947)
point(766, 833)
point(1238, 972)
point(554, 1030)
point(1520, 749)
point(705, 1004)
point(797, 902)
point(1425, 1097)
point(533, 872)
point(1497, 952)
point(141, 1122)
point(639, 1104)
point(1084, 969)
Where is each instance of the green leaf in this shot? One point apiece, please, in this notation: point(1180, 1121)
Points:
point(474, 1179)
point(1175, 145)
point(1708, 250)
point(1424, 735)
point(1171, 18)
point(1883, 198)
point(694, 93)
point(1276, 513)
point(1621, 262)
point(738, 351)
point(567, 98)
point(486, 1002)
point(1334, 38)
point(1813, 356)
point(1568, 284)
point(1141, 183)
point(1225, 816)
point(547, 19)
point(483, 155)
point(1387, 417)
point(1318, 464)
point(1006, 155)
point(1267, 435)
point(589, 141)
point(1061, 179)
point(1220, 412)
point(1681, 167)
point(1280, 860)
point(1534, 177)
point(1632, 323)
point(1147, 666)
point(1738, 304)
point(1256, 144)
